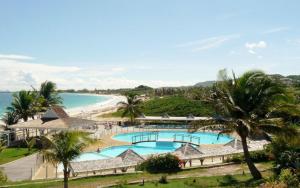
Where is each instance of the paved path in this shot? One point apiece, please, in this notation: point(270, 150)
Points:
point(20, 169)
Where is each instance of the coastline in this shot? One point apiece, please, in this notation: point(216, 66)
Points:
point(98, 108)
point(94, 110)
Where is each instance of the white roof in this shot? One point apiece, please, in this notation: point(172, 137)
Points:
point(172, 118)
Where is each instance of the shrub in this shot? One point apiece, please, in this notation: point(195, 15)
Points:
point(286, 176)
point(228, 180)
point(256, 156)
point(237, 158)
point(163, 179)
point(3, 177)
point(161, 164)
point(259, 156)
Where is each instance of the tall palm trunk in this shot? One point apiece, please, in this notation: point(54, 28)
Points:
point(253, 170)
point(131, 119)
point(66, 175)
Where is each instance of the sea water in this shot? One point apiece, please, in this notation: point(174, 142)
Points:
point(70, 100)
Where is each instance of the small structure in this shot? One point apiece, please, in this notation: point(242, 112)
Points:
point(187, 153)
point(54, 119)
point(190, 116)
point(130, 157)
point(127, 159)
point(166, 117)
point(236, 144)
point(53, 113)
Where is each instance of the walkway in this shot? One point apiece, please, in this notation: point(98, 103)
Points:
point(21, 169)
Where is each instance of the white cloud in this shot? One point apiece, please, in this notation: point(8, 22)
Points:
point(18, 74)
point(253, 46)
point(276, 30)
point(208, 43)
point(15, 57)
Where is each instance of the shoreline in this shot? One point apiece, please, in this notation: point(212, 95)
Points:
point(93, 110)
point(97, 108)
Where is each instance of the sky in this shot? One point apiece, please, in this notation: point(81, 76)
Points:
point(125, 43)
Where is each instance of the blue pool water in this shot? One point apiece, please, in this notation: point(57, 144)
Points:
point(147, 148)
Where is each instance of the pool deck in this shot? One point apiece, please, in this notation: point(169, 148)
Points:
point(104, 142)
point(108, 141)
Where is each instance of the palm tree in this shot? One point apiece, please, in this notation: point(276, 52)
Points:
point(10, 118)
point(246, 106)
point(63, 148)
point(131, 107)
point(48, 92)
point(22, 104)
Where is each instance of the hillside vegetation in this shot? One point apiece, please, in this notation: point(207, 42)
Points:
point(176, 106)
point(173, 106)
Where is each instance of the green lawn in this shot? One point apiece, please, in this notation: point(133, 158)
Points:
point(213, 181)
point(188, 181)
point(11, 154)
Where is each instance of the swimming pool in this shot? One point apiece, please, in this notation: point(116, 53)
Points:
point(147, 148)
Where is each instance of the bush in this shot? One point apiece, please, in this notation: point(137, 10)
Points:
point(3, 177)
point(161, 164)
point(237, 158)
point(259, 156)
point(286, 176)
point(256, 156)
point(163, 179)
point(228, 180)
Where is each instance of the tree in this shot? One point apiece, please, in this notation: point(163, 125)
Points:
point(246, 106)
point(2, 145)
point(131, 107)
point(22, 104)
point(63, 148)
point(48, 93)
point(10, 118)
point(30, 142)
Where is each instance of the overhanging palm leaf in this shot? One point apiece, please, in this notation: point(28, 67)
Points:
point(247, 106)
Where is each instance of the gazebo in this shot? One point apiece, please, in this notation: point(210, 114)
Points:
point(125, 160)
point(55, 119)
point(187, 153)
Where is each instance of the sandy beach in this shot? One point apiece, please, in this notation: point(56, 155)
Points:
point(97, 109)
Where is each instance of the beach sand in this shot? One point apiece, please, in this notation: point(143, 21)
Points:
point(95, 110)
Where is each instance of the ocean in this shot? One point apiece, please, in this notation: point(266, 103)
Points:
point(70, 100)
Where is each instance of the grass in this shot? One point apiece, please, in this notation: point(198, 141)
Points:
point(181, 179)
point(213, 181)
point(11, 154)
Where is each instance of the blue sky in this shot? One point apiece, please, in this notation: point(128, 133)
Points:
point(113, 44)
